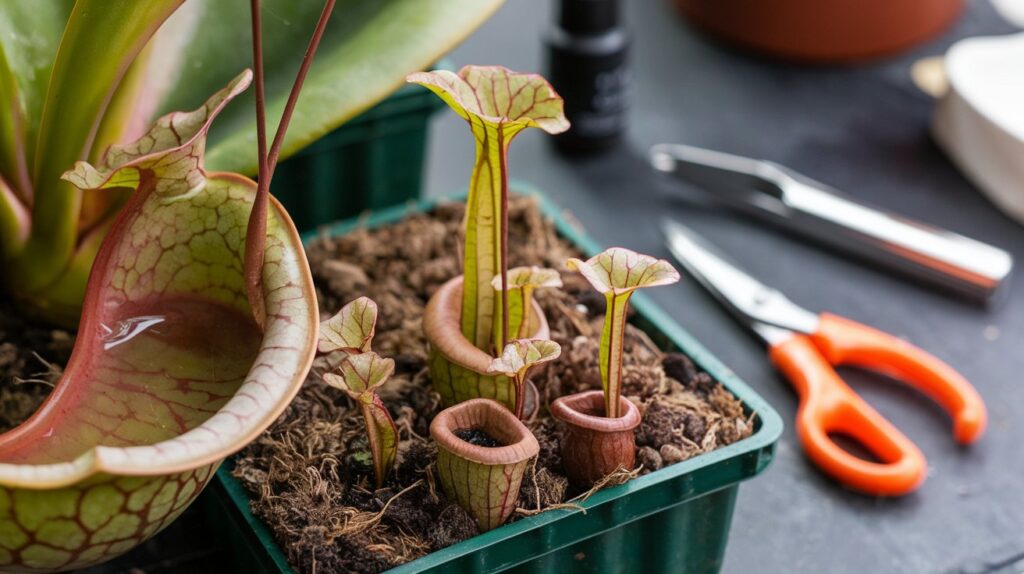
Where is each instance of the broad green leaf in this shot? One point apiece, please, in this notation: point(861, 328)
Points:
point(100, 41)
point(14, 221)
point(30, 33)
point(13, 163)
point(360, 376)
point(361, 373)
point(617, 272)
point(498, 104)
point(522, 281)
point(369, 47)
point(351, 329)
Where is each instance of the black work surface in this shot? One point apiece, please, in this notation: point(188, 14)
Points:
point(861, 129)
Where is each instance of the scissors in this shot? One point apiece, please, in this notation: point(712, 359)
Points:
point(805, 347)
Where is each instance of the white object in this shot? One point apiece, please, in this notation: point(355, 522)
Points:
point(979, 121)
point(1011, 10)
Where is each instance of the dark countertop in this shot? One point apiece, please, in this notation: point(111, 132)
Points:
point(861, 129)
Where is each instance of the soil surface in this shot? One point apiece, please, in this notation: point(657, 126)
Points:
point(311, 474)
point(477, 437)
point(32, 357)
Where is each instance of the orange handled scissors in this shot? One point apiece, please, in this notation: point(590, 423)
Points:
point(806, 346)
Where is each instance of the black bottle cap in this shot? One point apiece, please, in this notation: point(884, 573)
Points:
point(588, 16)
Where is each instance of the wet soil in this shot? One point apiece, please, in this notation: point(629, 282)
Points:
point(311, 474)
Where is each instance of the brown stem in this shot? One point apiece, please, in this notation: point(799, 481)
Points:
point(520, 382)
point(256, 232)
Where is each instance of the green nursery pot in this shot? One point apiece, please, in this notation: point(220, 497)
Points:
point(673, 520)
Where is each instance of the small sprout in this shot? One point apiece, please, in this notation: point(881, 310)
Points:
point(360, 376)
point(498, 104)
point(518, 358)
point(351, 330)
point(349, 364)
point(616, 273)
point(522, 281)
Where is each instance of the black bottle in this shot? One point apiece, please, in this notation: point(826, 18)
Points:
point(587, 65)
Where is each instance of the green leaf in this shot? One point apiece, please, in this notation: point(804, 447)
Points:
point(351, 329)
point(522, 281)
point(498, 104)
point(617, 272)
point(100, 41)
point(30, 33)
point(14, 221)
point(369, 47)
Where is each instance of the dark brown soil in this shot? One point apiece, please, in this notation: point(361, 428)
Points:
point(311, 473)
point(32, 357)
point(477, 437)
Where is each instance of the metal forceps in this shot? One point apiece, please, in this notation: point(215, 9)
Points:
point(805, 347)
point(782, 196)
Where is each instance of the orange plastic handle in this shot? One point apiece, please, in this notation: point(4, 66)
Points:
point(846, 342)
point(828, 405)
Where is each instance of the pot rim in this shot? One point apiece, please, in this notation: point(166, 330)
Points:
point(492, 418)
point(567, 409)
point(441, 324)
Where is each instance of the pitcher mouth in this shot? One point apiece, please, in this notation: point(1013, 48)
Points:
point(441, 323)
point(586, 410)
point(492, 418)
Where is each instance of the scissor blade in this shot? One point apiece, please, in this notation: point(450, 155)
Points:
point(750, 300)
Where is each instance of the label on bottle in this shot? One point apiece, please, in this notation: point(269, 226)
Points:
point(595, 89)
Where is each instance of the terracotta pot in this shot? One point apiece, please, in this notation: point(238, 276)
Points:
point(483, 480)
point(458, 370)
point(823, 30)
point(593, 446)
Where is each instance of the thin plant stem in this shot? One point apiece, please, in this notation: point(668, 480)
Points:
point(300, 78)
point(256, 232)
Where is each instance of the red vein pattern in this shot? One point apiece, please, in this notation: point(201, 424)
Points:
point(498, 104)
point(169, 374)
point(483, 480)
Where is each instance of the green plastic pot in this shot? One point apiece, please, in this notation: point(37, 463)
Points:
point(352, 169)
point(673, 520)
